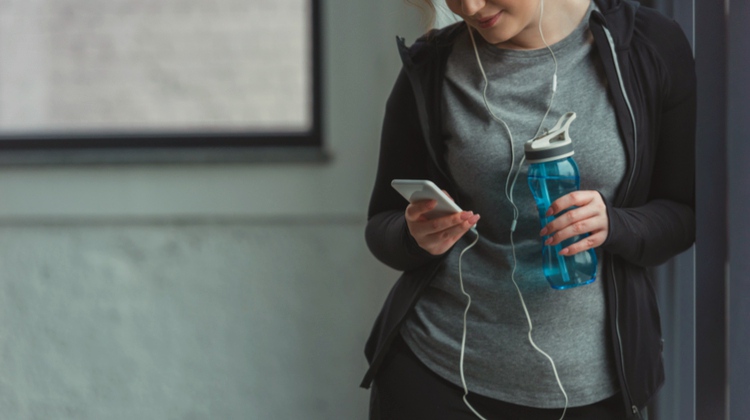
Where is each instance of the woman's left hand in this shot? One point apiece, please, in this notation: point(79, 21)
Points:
point(590, 217)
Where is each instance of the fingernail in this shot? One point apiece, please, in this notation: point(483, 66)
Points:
point(549, 212)
point(466, 215)
point(543, 232)
point(474, 219)
point(548, 241)
point(565, 251)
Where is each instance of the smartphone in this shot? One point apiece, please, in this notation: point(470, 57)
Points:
point(421, 189)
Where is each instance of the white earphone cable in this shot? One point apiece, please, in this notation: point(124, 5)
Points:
point(509, 196)
point(463, 336)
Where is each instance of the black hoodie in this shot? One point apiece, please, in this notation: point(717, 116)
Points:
point(650, 70)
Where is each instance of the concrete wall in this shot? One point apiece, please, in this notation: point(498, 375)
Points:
point(204, 291)
point(185, 321)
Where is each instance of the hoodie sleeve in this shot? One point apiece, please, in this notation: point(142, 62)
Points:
point(665, 226)
point(403, 154)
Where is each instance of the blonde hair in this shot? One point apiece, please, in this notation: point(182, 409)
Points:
point(427, 7)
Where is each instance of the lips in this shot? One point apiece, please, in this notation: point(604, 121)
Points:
point(489, 21)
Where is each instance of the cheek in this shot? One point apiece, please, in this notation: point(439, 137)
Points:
point(454, 6)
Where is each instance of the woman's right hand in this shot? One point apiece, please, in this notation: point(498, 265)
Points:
point(438, 235)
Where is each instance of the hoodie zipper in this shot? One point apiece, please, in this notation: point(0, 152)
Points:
point(633, 407)
point(611, 43)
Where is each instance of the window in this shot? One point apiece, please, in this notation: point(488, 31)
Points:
point(139, 80)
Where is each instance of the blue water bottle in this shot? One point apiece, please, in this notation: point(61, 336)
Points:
point(552, 174)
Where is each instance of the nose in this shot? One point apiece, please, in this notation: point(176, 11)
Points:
point(471, 7)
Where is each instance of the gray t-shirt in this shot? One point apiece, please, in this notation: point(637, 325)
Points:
point(570, 325)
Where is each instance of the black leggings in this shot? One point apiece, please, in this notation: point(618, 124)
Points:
point(405, 389)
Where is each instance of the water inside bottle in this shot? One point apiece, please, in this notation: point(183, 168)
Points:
point(562, 272)
point(580, 269)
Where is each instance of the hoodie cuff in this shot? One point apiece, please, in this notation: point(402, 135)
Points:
point(619, 241)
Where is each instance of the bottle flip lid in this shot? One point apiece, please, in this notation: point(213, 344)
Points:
point(554, 144)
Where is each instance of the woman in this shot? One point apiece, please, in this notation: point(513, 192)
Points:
point(466, 100)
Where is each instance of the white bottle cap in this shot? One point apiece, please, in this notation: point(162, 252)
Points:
point(552, 145)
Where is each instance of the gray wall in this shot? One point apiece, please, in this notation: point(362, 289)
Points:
point(204, 291)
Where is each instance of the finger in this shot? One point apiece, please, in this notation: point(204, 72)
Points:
point(423, 227)
point(440, 224)
point(455, 230)
point(418, 208)
point(439, 242)
point(581, 227)
point(568, 218)
point(589, 242)
point(575, 198)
